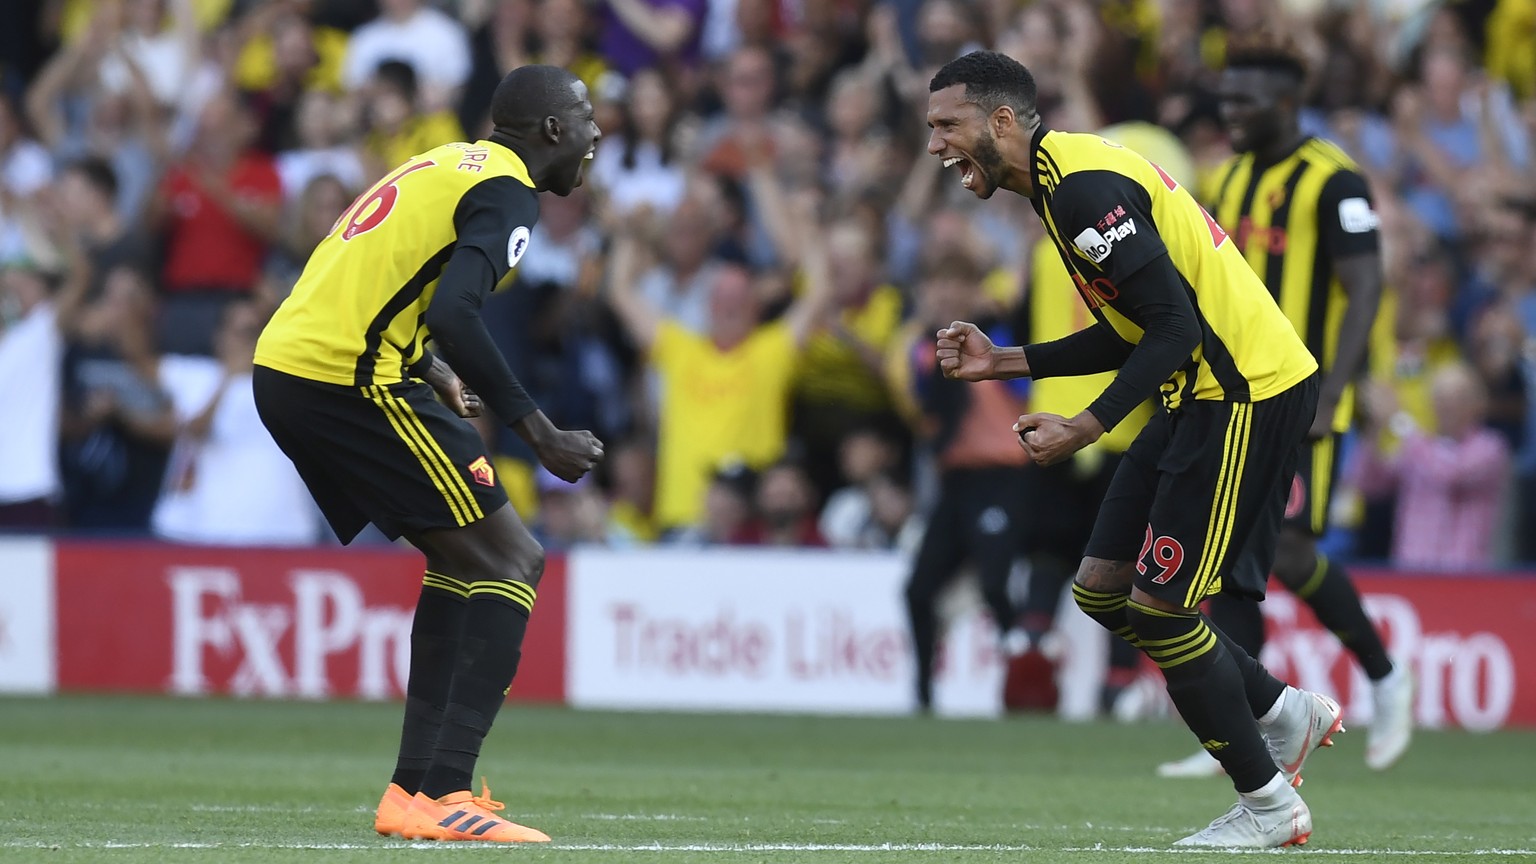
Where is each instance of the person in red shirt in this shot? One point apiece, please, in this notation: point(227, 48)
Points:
point(218, 208)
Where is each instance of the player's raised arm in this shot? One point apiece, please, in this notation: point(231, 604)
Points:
point(807, 312)
point(640, 318)
point(1348, 227)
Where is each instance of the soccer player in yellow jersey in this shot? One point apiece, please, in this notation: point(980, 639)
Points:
point(1176, 310)
point(1301, 214)
point(346, 384)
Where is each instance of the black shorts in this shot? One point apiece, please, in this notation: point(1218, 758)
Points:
point(1201, 485)
point(388, 454)
point(1311, 494)
point(1061, 503)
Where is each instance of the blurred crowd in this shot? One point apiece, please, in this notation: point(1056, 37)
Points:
point(741, 297)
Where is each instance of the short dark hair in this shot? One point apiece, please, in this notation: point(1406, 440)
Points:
point(399, 75)
point(98, 173)
point(1268, 52)
point(529, 94)
point(991, 79)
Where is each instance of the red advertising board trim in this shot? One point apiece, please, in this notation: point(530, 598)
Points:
point(305, 623)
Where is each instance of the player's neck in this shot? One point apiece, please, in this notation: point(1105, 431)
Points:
point(1019, 160)
point(1280, 146)
point(537, 168)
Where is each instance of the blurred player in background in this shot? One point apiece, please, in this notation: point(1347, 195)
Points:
point(977, 516)
point(348, 389)
point(1178, 311)
point(1301, 214)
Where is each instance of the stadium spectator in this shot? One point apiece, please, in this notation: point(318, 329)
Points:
point(677, 285)
point(1449, 477)
point(636, 34)
point(118, 422)
point(570, 514)
point(75, 116)
point(31, 354)
point(839, 385)
point(863, 456)
point(306, 222)
point(227, 483)
point(721, 113)
point(786, 509)
point(399, 123)
point(724, 395)
point(219, 208)
point(432, 42)
point(638, 165)
point(632, 466)
point(726, 517)
point(320, 147)
point(84, 199)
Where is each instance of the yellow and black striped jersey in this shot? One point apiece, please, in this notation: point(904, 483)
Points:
point(1111, 213)
point(1292, 220)
point(1053, 312)
point(356, 315)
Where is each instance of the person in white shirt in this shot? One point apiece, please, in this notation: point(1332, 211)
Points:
point(227, 482)
point(31, 352)
point(432, 42)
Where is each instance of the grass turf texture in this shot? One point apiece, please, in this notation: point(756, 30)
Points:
point(126, 780)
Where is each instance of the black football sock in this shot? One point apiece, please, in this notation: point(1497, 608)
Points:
point(1260, 688)
point(1331, 594)
point(489, 652)
point(1108, 610)
point(435, 631)
point(1239, 619)
point(1206, 686)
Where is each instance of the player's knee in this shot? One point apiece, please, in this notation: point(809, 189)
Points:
point(1295, 558)
point(1103, 576)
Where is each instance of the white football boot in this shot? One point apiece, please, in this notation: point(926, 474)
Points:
point(1269, 818)
point(1306, 721)
point(1392, 726)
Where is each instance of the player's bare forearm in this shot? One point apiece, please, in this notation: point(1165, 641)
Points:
point(1361, 278)
point(535, 429)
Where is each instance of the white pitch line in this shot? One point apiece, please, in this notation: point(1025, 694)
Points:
point(753, 848)
point(643, 817)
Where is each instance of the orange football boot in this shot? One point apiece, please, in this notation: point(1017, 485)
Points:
point(465, 816)
point(389, 819)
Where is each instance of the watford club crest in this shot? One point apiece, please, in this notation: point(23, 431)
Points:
point(481, 470)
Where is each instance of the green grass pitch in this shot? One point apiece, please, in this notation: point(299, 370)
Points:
point(131, 780)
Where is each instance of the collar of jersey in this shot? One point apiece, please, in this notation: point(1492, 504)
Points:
point(519, 170)
point(1037, 160)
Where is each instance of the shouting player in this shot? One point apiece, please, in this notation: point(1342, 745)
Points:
point(1302, 217)
point(347, 386)
point(1176, 310)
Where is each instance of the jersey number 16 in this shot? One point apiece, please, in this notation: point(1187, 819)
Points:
point(371, 208)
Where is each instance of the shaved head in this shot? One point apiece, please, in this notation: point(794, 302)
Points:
point(531, 93)
point(543, 114)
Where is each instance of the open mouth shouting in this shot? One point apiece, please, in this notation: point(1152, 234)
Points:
point(967, 170)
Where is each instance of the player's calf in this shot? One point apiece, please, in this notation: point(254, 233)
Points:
point(1207, 688)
